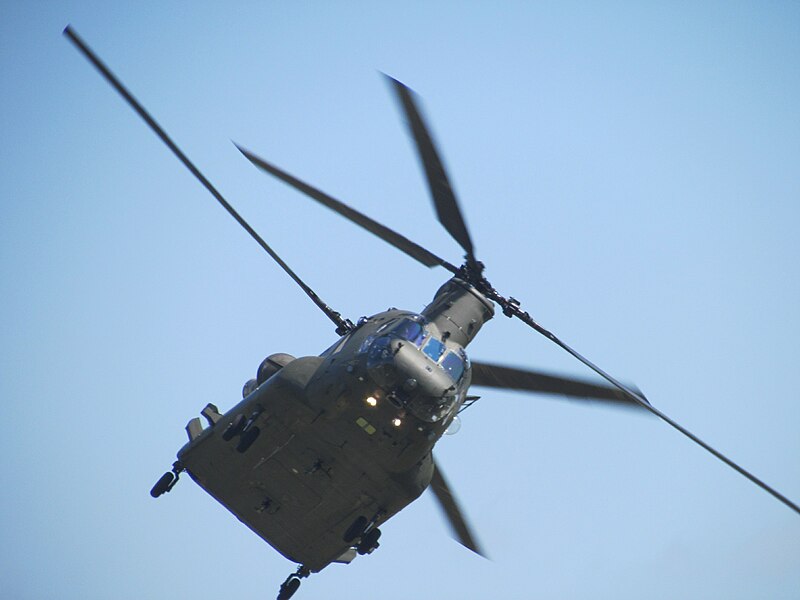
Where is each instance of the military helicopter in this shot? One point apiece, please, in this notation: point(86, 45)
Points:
point(322, 450)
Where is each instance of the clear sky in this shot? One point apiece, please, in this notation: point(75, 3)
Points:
point(630, 172)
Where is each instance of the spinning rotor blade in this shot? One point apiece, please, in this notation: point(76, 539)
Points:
point(395, 239)
point(342, 325)
point(511, 309)
point(497, 376)
point(450, 216)
point(453, 512)
point(441, 191)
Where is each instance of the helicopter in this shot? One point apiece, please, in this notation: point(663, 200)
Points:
point(322, 450)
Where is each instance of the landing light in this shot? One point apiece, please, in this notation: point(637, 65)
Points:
point(371, 401)
point(397, 422)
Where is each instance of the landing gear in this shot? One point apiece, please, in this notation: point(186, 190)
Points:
point(248, 437)
point(245, 428)
point(356, 529)
point(235, 428)
point(365, 532)
point(289, 587)
point(167, 480)
point(369, 542)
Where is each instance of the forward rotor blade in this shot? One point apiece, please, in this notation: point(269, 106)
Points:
point(453, 512)
point(511, 308)
point(497, 376)
point(444, 198)
point(341, 324)
point(400, 242)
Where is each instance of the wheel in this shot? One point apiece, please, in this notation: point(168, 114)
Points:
point(247, 439)
point(369, 542)
point(235, 428)
point(356, 530)
point(162, 485)
point(289, 588)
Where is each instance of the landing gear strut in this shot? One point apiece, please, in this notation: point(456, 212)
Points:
point(289, 587)
point(366, 532)
point(168, 480)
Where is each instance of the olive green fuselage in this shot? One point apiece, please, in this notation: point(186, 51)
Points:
point(345, 434)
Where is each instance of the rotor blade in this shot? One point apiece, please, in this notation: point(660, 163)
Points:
point(444, 198)
point(395, 239)
point(452, 511)
point(497, 376)
point(511, 308)
point(334, 316)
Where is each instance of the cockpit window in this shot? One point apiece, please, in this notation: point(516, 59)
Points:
point(434, 349)
point(453, 364)
point(409, 330)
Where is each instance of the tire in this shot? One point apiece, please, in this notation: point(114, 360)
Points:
point(369, 542)
point(289, 588)
point(235, 428)
point(162, 485)
point(356, 530)
point(247, 439)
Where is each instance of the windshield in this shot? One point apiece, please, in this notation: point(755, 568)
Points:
point(407, 329)
point(434, 349)
point(454, 365)
point(403, 348)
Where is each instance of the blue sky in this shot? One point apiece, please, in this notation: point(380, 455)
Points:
point(630, 172)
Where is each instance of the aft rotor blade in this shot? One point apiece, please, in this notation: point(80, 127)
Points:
point(341, 324)
point(444, 198)
point(511, 308)
point(400, 242)
point(510, 378)
point(452, 511)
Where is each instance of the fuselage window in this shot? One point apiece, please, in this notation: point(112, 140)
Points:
point(454, 365)
point(434, 349)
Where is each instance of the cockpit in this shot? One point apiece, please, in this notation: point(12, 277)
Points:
point(407, 328)
point(417, 368)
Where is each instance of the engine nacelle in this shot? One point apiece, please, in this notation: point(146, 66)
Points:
point(249, 387)
point(271, 365)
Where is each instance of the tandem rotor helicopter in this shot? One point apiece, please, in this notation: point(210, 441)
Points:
point(322, 450)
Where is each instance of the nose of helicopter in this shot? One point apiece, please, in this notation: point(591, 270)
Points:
point(413, 365)
point(411, 378)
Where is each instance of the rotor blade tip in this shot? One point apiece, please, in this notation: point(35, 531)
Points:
point(398, 85)
point(70, 33)
point(247, 154)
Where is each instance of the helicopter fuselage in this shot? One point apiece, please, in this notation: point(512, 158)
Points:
point(324, 441)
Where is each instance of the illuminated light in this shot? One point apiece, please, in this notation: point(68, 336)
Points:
point(397, 422)
point(371, 401)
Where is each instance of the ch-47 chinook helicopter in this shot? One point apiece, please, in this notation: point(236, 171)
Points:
point(324, 449)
